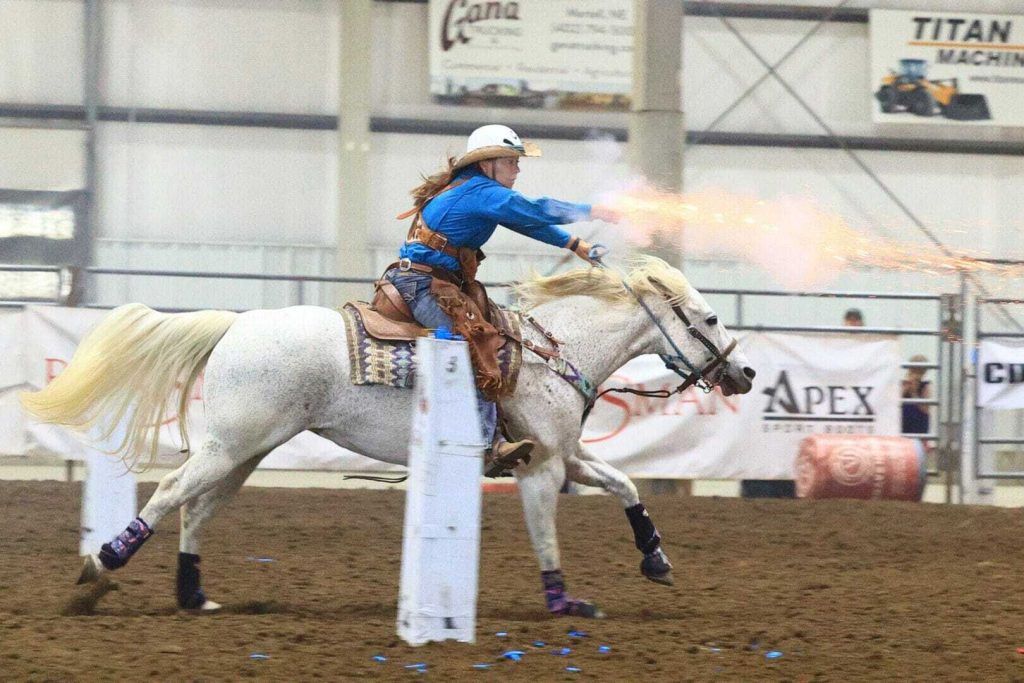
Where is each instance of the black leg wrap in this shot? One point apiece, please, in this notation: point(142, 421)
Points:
point(110, 559)
point(646, 536)
point(190, 595)
point(116, 554)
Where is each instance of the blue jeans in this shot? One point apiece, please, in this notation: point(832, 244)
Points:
point(415, 289)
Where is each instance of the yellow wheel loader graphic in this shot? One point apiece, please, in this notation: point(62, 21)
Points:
point(910, 90)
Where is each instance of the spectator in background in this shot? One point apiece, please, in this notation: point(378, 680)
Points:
point(853, 318)
point(916, 416)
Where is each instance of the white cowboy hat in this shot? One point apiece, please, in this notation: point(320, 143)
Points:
point(494, 141)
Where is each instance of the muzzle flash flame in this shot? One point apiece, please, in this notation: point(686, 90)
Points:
point(792, 239)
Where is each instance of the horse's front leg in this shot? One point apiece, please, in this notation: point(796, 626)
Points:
point(586, 468)
point(539, 483)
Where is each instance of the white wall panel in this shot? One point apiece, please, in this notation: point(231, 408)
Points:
point(235, 55)
point(41, 51)
point(42, 159)
point(196, 183)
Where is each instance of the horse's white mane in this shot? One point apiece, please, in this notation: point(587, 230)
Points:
point(605, 284)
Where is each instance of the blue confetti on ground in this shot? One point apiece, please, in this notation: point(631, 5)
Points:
point(562, 651)
point(573, 669)
point(502, 634)
point(421, 666)
point(604, 648)
point(579, 634)
point(259, 655)
point(481, 665)
point(538, 643)
point(260, 559)
point(514, 655)
point(774, 654)
point(380, 658)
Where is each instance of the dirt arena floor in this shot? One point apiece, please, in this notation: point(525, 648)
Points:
point(843, 590)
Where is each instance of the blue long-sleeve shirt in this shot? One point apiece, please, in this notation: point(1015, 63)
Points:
point(469, 213)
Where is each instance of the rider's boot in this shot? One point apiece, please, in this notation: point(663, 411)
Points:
point(505, 455)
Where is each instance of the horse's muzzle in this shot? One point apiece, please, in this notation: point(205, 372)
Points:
point(737, 380)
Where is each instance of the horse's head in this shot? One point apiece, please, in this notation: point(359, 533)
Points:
point(689, 337)
point(682, 327)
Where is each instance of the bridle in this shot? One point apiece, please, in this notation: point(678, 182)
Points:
point(704, 378)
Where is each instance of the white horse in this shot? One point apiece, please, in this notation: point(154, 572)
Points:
point(270, 374)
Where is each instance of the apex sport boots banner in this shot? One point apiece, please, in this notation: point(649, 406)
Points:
point(806, 384)
point(954, 68)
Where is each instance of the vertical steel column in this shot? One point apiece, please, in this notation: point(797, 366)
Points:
point(974, 490)
point(656, 131)
point(353, 258)
point(942, 450)
point(91, 99)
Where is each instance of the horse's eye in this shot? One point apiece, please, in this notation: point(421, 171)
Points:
point(712, 321)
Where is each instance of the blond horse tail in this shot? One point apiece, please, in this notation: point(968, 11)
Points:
point(136, 361)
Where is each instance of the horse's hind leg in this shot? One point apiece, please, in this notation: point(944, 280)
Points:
point(586, 468)
point(200, 473)
point(194, 515)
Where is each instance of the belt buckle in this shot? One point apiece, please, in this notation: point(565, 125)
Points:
point(404, 265)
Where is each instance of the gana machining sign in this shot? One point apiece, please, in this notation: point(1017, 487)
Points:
point(532, 53)
point(947, 67)
point(1001, 374)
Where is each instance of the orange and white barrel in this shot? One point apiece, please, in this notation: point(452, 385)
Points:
point(866, 467)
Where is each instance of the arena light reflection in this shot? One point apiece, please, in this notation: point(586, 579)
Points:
point(799, 243)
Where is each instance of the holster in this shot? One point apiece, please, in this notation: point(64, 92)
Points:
point(388, 301)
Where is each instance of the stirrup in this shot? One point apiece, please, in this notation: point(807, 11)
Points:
point(516, 452)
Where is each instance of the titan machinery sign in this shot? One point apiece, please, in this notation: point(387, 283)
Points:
point(956, 68)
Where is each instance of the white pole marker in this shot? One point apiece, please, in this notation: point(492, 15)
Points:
point(441, 543)
point(108, 495)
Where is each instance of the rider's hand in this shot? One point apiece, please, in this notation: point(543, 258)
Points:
point(583, 251)
point(605, 213)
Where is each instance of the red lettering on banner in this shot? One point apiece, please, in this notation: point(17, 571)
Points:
point(642, 406)
point(620, 403)
point(197, 395)
point(53, 367)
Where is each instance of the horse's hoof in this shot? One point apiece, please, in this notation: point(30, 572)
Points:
point(210, 606)
point(199, 604)
point(582, 608)
point(656, 567)
point(664, 579)
point(90, 571)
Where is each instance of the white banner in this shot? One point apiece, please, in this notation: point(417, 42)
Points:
point(947, 67)
point(532, 53)
point(806, 384)
point(1001, 374)
point(47, 337)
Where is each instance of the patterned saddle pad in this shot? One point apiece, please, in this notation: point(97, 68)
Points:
point(393, 363)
